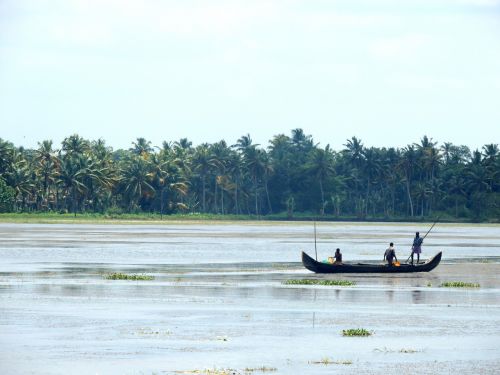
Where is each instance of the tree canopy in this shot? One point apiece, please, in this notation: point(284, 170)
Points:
point(292, 175)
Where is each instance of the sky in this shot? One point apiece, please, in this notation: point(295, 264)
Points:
point(385, 71)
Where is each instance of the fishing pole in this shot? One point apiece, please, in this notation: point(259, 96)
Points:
point(315, 250)
point(431, 228)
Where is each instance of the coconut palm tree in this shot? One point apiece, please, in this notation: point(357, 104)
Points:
point(407, 167)
point(74, 146)
point(136, 180)
point(203, 162)
point(142, 147)
point(71, 176)
point(254, 162)
point(47, 165)
point(20, 178)
point(321, 167)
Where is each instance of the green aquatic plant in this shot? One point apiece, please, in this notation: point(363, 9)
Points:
point(228, 371)
point(403, 350)
point(214, 371)
point(124, 276)
point(319, 282)
point(327, 361)
point(459, 284)
point(409, 350)
point(149, 332)
point(260, 369)
point(352, 332)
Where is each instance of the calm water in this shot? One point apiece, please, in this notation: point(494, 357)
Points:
point(217, 300)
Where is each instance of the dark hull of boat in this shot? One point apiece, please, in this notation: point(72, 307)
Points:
point(320, 267)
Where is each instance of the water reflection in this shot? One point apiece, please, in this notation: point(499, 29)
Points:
point(390, 295)
point(417, 296)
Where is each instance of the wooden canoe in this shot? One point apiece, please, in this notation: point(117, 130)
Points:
point(320, 267)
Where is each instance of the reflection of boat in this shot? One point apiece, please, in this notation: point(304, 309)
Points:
point(320, 267)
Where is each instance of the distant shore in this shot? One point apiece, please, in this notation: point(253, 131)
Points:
point(138, 218)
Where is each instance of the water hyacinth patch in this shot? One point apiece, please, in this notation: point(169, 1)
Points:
point(124, 276)
point(328, 361)
point(319, 282)
point(355, 332)
point(228, 371)
point(459, 284)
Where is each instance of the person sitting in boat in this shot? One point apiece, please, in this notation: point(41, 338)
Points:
point(390, 254)
point(417, 247)
point(338, 256)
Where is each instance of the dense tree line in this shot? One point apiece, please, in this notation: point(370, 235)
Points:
point(292, 175)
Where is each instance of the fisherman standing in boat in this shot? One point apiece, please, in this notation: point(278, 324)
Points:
point(390, 254)
point(416, 247)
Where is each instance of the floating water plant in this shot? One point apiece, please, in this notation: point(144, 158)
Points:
point(229, 371)
point(319, 282)
point(459, 284)
point(260, 369)
point(327, 361)
point(148, 332)
point(124, 276)
point(403, 350)
point(356, 332)
point(214, 371)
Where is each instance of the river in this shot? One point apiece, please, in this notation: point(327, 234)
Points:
point(218, 302)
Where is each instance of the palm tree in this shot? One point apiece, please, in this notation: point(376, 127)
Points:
point(142, 147)
point(47, 164)
point(71, 175)
point(371, 171)
point(243, 143)
point(20, 179)
point(354, 155)
point(477, 184)
point(490, 153)
point(321, 166)
point(183, 143)
point(407, 166)
point(234, 168)
point(75, 146)
point(203, 162)
point(253, 159)
point(301, 141)
point(6, 156)
point(490, 161)
point(220, 153)
point(136, 180)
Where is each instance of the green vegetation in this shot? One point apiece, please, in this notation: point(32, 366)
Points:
point(403, 350)
point(290, 178)
point(214, 371)
point(319, 282)
point(459, 284)
point(327, 361)
point(148, 332)
point(356, 332)
point(124, 276)
point(229, 371)
point(260, 369)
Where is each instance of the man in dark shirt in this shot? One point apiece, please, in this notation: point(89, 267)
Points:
point(338, 256)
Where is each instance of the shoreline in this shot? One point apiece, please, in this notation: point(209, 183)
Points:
point(57, 218)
